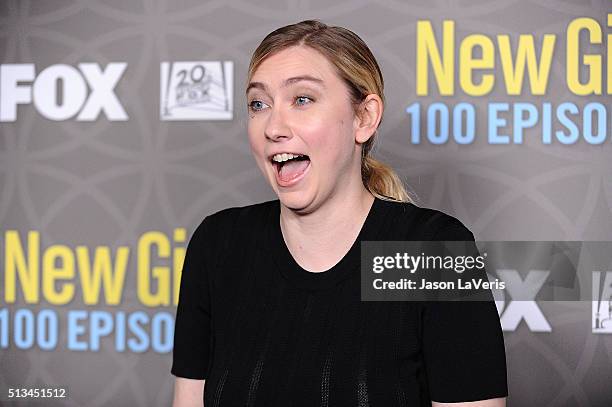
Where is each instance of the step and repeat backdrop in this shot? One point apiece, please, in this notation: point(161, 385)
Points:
point(123, 124)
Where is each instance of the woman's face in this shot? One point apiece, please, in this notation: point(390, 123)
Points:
point(298, 105)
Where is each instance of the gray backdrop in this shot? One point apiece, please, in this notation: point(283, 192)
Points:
point(106, 182)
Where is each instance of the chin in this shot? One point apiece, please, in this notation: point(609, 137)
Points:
point(295, 200)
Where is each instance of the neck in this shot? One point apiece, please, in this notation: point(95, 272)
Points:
point(319, 239)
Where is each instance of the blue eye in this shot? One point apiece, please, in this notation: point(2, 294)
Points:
point(256, 105)
point(302, 98)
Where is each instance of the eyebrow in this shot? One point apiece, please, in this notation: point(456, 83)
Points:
point(287, 82)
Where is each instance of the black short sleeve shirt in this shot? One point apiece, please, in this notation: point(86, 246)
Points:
point(263, 331)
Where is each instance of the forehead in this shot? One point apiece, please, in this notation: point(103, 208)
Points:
point(299, 61)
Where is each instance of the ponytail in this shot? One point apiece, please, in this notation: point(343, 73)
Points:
point(379, 178)
point(382, 181)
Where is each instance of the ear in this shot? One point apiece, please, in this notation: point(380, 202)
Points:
point(369, 115)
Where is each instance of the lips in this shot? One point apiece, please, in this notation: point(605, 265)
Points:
point(285, 157)
point(290, 172)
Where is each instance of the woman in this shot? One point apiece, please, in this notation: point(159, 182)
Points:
point(269, 311)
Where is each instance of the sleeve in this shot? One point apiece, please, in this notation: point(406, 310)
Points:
point(463, 343)
point(193, 325)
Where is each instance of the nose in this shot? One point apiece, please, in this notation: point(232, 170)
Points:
point(276, 126)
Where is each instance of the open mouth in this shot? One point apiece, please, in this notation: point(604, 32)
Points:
point(290, 166)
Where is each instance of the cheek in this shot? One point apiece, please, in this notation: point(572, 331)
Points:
point(332, 139)
point(255, 139)
point(257, 147)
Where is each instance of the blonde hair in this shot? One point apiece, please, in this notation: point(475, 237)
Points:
point(357, 67)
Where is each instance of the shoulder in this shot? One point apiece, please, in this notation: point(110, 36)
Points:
point(229, 219)
point(218, 232)
point(238, 219)
point(422, 223)
point(229, 216)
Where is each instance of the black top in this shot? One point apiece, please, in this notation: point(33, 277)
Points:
point(263, 331)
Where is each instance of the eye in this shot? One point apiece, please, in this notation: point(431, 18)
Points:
point(256, 105)
point(304, 99)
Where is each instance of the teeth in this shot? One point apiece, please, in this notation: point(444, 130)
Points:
point(279, 158)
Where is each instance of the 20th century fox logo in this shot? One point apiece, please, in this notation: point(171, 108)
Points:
point(196, 90)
